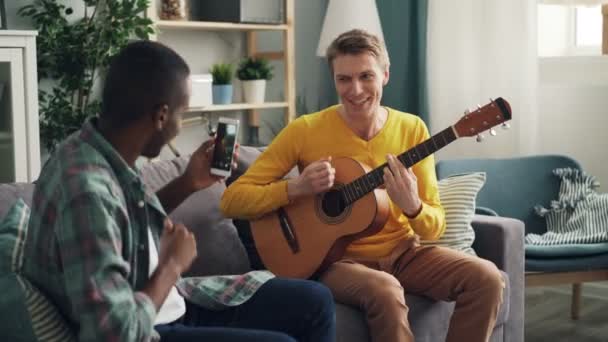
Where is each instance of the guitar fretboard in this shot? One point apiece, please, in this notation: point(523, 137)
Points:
point(373, 179)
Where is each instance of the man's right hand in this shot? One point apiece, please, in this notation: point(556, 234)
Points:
point(317, 177)
point(177, 247)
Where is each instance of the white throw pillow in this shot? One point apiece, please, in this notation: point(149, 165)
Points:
point(458, 194)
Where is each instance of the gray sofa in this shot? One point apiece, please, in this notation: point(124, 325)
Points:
point(221, 252)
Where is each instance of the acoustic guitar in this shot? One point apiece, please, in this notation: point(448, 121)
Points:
point(313, 232)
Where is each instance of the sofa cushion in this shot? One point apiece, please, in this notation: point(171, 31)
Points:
point(246, 156)
point(458, 194)
point(13, 231)
point(158, 173)
point(28, 315)
point(351, 325)
point(567, 263)
point(219, 248)
point(566, 250)
point(10, 192)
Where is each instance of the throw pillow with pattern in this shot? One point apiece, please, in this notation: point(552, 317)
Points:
point(28, 314)
point(458, 194)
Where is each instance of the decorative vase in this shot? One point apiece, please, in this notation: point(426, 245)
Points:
point(222, 94)
point(254, 91)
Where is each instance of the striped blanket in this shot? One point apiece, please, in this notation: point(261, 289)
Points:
point(579, 215)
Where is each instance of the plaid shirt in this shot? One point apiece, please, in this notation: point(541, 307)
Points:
point(87, 244)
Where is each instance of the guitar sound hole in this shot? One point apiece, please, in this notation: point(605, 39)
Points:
point(333, 203)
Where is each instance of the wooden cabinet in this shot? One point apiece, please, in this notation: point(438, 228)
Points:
point(287, 55)
point(19, 132)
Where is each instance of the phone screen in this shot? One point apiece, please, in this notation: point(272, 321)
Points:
point(224, 146)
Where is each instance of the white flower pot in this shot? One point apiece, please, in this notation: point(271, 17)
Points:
point(254, 91)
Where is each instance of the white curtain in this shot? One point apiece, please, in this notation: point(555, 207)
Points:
point(477, 50)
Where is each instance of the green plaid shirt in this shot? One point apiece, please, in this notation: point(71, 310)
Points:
point(87, 245)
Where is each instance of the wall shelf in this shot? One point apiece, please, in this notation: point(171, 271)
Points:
point(220, 26)
point(286, 55)
point(238, 106)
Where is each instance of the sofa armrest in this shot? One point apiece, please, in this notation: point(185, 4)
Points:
point(501, 240)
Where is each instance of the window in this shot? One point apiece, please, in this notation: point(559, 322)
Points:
point(569, 30)
point(588, 26)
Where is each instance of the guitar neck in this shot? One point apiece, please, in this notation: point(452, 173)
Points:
point(373, 179)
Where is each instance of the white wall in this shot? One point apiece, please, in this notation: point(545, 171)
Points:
point(573, 116)
point(570, 115)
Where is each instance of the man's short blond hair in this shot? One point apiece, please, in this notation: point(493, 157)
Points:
point(356, 42)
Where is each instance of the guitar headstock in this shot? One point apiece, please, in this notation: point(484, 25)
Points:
point(483, 118)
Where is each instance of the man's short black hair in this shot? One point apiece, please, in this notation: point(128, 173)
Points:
point(142, 77)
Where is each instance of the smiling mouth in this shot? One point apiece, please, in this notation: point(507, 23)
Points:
point(358, 103)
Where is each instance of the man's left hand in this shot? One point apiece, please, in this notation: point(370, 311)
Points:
point(402, 186)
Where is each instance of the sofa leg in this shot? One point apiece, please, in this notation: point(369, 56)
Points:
point(576, 300)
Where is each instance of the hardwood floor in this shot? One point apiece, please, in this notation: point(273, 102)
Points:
point(548, 314)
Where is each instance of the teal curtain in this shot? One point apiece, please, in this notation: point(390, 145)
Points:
point(404, 28)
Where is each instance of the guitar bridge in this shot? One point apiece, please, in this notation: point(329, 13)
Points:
point(288, 232)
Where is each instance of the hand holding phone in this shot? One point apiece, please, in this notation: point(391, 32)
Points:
point(225, 144)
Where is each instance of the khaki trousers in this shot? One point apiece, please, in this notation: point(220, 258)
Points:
point(378, 287)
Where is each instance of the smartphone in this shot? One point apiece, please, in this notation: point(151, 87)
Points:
point(225, 143)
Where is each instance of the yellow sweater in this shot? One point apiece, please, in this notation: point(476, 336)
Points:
point(322, 134)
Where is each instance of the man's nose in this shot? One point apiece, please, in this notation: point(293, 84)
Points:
point(356, 87)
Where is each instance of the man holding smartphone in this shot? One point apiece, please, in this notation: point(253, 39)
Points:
point(102, 248)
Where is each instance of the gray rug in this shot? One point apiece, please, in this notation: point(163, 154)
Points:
point(548, 315)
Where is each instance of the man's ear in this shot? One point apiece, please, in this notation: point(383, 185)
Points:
point(386, 77)
point(161, 117)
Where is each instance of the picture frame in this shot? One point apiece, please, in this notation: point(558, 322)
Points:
point(2, 15)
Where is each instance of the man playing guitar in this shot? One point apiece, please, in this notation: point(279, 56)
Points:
point(375, 270)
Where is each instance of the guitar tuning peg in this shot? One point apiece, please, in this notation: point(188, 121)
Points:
point(492, 132)
point(505, 125)
point(478, 106)
point(479, 138)
point(467, 112)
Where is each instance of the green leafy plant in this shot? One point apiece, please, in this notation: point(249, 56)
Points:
point(251, 68)
point(73, 50)
point(222, 73)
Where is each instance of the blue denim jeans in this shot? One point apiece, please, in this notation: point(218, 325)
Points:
point(282, 310)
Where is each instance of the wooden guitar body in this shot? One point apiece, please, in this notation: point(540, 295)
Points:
point(322, 235)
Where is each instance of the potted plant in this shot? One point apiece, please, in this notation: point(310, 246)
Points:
point(222, 83)
point(254, 72)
